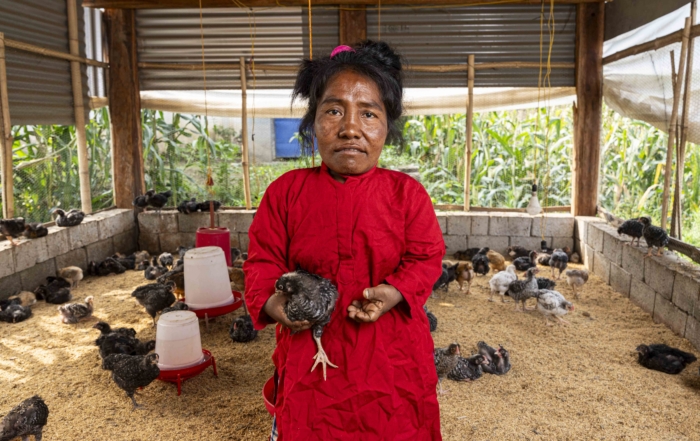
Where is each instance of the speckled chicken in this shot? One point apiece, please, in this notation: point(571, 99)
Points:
point(72, 274)
point(553, 304)
point(73, 218)
point(525, 263)
point(543, 259)
point(655, 236)
point(632, 228)
point(576, 279)
point(187, 207)
point(497, 360)
point(468, 369)
point(480, 262)
point(497, 261)
point(465, 274)
point(517, 251)
point(154, 270)
point(158, 200)
point(115, 343)
point(500, 282)
point(545, 283)
point(24, 420)
point(35, 230)
point(11, 228)
point(446, 360)
point(56, 290)
point(312, 298)
point(15, 313)
point(663, 358)
point(521, 290)
point(432, 319)
point(131, 372)
point(449, 275)
point(75, 312)
point(106, 330)
point(466, 254)
point(559, 260)
point(177, 306)
point(155, 297)
point(242, 330)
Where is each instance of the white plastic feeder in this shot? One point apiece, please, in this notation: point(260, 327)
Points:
point(178, 342)
point(206, 278)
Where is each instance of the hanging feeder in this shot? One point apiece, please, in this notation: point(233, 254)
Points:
point(178, 376)
point(215, 237)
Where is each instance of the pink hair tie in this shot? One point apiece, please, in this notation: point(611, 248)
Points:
point(341, 48)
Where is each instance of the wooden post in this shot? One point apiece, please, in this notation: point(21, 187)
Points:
point(8, 197)
point(668, 170)
point(352, 24)
point(79, 108)
point(244, 137)
point(124, 107)
point(589, 96)
point(469, 133)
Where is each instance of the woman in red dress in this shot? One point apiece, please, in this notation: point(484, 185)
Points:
point(374, 234)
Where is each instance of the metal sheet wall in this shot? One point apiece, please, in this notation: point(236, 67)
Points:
point(39, 88)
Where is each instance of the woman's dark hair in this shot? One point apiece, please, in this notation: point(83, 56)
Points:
point(374, 60)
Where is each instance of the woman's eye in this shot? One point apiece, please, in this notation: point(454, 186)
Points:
point(369, 115)
point(334, 112)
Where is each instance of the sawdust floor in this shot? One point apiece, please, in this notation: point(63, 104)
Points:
point(580, 382)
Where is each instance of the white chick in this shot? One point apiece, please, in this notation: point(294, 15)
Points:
point(500, 282)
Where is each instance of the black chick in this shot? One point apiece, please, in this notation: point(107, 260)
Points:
point(559, 260)
point(105, 330)
point(15, 313)
point(632, 228)
point(131, 372)
point(242, 330)
point(154, 270)
point(177, 306)
point(12, 228)
point(446, 360)
point(166, 259)
point(468, 369)
point(204, 206)
point(309, 297)
point(466, 254)
point(128, 262)
point(71, 219)
point(56, 290)
point(545, 283)
point(187, 207)
point(35, 230)
point(155, 297)
point(525, 263)
point(181, 251)
point(449, 274)
point(663, 358)
point(108, 266)
point(141, 201)
point(114, 343)
point(432, 320)
point(24, 420)
point(655, 236)
point(517, 251)
point(498, 359)
point(480, 262)
point(158, 200)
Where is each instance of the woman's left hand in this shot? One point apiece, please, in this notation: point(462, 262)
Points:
point(378, 300)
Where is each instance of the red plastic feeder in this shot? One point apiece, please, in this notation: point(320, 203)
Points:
point(268, 394)
point(177, 376)
point(207, 313)
point(215, 237)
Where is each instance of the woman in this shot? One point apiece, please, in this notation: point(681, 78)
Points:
point(374, 234)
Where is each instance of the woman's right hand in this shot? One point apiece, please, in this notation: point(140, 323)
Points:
point(274, 308)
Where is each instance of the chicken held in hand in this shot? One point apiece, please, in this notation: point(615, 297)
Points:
point(446, 360)
point(131, 372)
point(24, 420)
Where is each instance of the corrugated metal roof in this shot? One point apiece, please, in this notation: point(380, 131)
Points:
point(492, 33)
point(39, 88)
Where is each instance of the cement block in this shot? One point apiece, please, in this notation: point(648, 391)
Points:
point(58, 241)
point(126, 242)
point(510, 224)
point(496, 243)
point(152, 222)
point(77, 257)
point(150, 242)
point(459, 224)
point(442, 221)
point(612, 248)
point(238, 221)
point(620, 280)
point(561, 242)
point(642, 295)
point(555, 224)
point(692, 330)
point(595, 237)
point(190, 223)
point(659, 276)
point(601, 267)
point(29, 252)
point(480, 224)
point(243, 242)
point(170, 242)
point(99, 251)
point(667, 313)
point(84, 234)
point(455, 243)
point(37, 274)
point(10, 286)
point(529, 242)
point(7, 259)
point(686, 291)
point(113, 222)
point(633, 262)
point(588, 257)
point(235, 242)
point(581, 226)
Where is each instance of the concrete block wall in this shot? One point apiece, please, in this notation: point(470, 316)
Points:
point(667, 287)
point(26, 266)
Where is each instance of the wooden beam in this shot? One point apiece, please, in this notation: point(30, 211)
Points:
point(661, 42)
point(244, 136)
point(352, 24)
point(590, 26)
point(124, 107)
point(161, 4)
point(27, 47)
point(469, 133)
point(8, 197)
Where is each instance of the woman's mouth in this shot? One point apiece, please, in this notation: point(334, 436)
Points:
point(350, 151)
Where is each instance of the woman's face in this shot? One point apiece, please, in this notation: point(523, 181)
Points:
point(351, 124)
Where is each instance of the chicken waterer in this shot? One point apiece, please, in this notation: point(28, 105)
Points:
point(207, 284)
point(217, 237)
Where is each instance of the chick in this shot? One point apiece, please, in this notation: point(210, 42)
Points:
point(73, 218)
point(24, 298)
point(521, 290)
point(158, 200)
point(545, 283)
point(131, 372)
point(24, 420)
point(468, 369)
point(575, 257)
point(154, 270)
point(74, 312)
point(466, 254)
point(177, 276)
point(237, 258)
point(432, 319)
point(553, 304)
point(663, 358)
point(525, 263)
point(108, 266)
point(312, 298)
point(128, 262)
point(187, 207)
point(140, 201)
point(11, 228)
point(449, 274)
point(480, 262)
point(517, 251)
point(106, 330)
point(500, 282)
point(72, 274)
point(242, 330)
point(141, 256)
point(204, 206)
point(116, 343)
point(446, 360)
point(237, 278)
point(56, 290)
point(35, 230)
point(498, 360)
point(166, 260)
point(177, 306)
point(576, 278)
point(15, 313)
point(654, 236)
point(632, 228)
point(543, 259)
point(155, 297)
point(559, 260)
point(497, 261)
point(182, 250)
point(465, 273)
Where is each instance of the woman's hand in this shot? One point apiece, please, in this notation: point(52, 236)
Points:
point(274, 307)
point(378, 301)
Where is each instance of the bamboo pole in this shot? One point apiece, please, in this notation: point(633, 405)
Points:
point(8, 197)
point(671, 127)
point(79, 108)
point(661, 42)
point(27, 47)
point(244, 136)
point(470, 134)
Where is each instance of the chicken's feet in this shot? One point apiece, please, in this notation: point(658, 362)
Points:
point(136, 405)
point(321, 357)
point(441, 390)
point(660, 252)
point(564, 322)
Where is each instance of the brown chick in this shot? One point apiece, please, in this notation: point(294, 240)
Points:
point(72, 274)
point(237, 278)
point(497, 261)
point(12, 228)
point(465, 273)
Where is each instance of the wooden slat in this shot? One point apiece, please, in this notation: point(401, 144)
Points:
point(8, 199)
point(19, 45)
point(661, 42)
point(161, 4)
point(470, 134)
point(352, 24)
point(244, 135)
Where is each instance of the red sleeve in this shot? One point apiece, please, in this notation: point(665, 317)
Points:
point(267, 253)
point(421, 263)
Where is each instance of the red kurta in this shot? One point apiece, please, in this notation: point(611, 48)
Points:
point(374, 228)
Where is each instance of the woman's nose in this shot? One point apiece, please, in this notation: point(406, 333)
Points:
point(350, 126)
